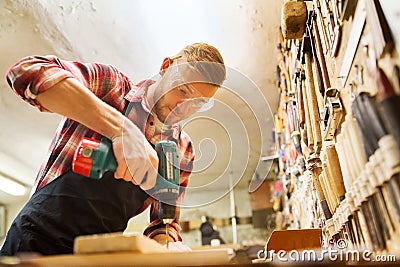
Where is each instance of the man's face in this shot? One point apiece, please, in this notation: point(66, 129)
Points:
point(182, 101)
point(181, 92)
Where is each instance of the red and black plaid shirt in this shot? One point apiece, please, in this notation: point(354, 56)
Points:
point(33, 75)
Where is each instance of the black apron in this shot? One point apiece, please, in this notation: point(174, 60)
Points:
point(70, 206)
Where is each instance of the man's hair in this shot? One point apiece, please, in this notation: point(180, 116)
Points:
point(207, 60)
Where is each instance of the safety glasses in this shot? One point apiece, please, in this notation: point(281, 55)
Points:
point(193, 99)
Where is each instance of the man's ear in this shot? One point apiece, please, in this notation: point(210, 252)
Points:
point(166, 63)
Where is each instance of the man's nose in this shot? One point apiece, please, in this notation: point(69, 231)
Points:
point(182, 107)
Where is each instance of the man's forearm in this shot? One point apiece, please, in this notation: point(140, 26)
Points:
point(72, 99)
point(134, 155)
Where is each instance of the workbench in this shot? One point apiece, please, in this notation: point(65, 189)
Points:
point(217, 257)
point(195, 258)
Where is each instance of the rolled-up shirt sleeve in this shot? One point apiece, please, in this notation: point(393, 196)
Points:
point(33, 75)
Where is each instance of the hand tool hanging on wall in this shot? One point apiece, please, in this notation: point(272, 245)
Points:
point(333, 170)
point(315, 173)
point(389, 112)
point(332, 114)
point(325, 45)
point(314, 170)
point(328, 191)
point(351, 157)
point(357, 28)
point(388, 163)
point(378, 207)
point(328, 97)
point(381, 41)
point(318, 51)
point(310, 93)
point(389, 104)
point(299, 77)
point(380, 31)
point(365, 185)
point(383, 188)
point(312, 43)
point(294, 131)
point(309, 141)
point(294, 108)
point(351, 138)
point(331, 23)
point(318, 68)
point(368, 208)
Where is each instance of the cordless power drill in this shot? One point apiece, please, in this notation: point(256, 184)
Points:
point(93, 158)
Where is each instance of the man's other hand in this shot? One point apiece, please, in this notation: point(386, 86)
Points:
point(178, 247)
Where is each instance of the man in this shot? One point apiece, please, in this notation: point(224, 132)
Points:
point(98, 100)
point(209, 232)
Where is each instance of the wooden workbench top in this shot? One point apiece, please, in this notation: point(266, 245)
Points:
point(194, 258)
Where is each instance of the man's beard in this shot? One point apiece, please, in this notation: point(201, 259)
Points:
point(164, 115)
point(159, 112)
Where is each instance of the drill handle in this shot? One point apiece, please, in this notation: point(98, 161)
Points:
point(93, 158)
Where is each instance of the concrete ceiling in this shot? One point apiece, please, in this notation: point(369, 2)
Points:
point(135, 36)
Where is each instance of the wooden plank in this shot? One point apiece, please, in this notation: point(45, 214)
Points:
point(116, 242)
point(116, 249)
point(194, 258)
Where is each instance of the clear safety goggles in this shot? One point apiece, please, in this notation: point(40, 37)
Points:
point(193, 99)
point(179, 77)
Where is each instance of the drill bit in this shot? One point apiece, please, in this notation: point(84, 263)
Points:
point(167, 234)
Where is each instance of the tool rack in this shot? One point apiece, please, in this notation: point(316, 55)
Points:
point(337, 125)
